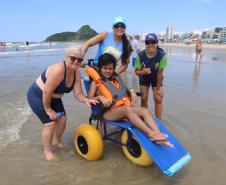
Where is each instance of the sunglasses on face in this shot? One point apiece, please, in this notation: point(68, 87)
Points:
point(73, 59)
point(121, 25)
point(150, 42)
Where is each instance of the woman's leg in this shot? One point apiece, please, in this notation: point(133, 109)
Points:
point(158, 103)
point(58, 132)
point(47, 137)
point(144, 98)
point(125, 111)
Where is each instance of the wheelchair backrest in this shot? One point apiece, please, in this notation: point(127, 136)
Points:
point(97, 110)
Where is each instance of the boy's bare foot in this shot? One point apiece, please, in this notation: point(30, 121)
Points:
point(50, 156)
point(164, 142)
point(156, 136)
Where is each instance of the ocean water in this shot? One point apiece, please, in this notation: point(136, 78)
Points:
point(194, 111)
point(18, 69)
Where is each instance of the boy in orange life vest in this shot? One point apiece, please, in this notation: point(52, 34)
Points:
point(106, 65)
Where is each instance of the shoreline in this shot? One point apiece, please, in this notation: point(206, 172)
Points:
point(206, 46)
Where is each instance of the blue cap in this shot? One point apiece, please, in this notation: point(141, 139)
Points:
point(119, 19)
point(151, 37)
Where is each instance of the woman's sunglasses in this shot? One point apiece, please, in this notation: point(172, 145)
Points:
point(147, 42)
point(121, 25)
point(73, 59)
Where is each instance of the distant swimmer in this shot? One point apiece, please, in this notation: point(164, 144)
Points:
point(27, 44)
point(2, 46)
point(198, 50)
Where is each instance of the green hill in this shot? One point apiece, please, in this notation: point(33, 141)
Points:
point(84, 33)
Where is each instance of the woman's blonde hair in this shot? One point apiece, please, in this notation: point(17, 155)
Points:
point(73, 50)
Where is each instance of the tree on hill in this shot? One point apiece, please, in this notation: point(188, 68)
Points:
point(64, 36)
point(84, 33)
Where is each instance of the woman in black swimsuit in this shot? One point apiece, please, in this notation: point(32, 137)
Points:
point(44, 98)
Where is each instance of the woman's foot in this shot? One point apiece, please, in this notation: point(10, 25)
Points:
point(59, 145)
point(50, 156)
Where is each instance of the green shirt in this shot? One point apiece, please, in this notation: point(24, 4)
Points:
point(162, 65)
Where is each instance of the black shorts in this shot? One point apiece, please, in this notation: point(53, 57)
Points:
point(148, 81)
point(34, 97)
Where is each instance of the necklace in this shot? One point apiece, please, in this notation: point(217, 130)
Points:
point(151, 55)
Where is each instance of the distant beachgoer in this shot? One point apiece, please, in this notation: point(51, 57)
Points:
point(27, 44)
point(44, 98)
point(115, 43)
point(2, 46)
point(198, 50)
point(149, 65)
point(17, 48)
point(135, 43)
point(129, 37)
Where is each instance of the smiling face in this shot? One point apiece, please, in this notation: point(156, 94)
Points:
point(74, 58)
point(119, 29)
point(107, 71)
point(151, 48)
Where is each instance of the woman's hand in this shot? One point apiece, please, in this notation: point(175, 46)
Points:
point(52, 114)
point(105, 101)
point(146, 71)
point(90, 102)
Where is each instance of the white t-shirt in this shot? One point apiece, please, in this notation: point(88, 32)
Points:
point(136, 47)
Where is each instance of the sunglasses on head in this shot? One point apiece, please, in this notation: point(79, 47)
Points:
point(73, 59)
point(147, 42)
point(121, 25)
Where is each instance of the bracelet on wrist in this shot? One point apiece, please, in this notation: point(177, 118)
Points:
point(131, 90)
point(47, 109)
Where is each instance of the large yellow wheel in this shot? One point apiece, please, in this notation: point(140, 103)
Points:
point(135, 152)
point(88, 142)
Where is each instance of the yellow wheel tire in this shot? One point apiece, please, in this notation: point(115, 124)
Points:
point(135, 152)
point(88, 142)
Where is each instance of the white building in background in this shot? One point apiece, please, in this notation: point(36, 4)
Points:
point(143, 36)
point(161, 36)
point(169, 32)
point(223, 35)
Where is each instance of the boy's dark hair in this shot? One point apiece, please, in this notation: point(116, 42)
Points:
point(106, 59)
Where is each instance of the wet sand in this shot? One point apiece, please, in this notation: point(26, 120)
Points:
point(194, 111)
point(206, 46)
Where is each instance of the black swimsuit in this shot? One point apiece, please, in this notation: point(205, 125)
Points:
point(34, 97)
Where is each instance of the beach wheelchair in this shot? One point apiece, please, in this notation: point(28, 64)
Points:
point(136, 146)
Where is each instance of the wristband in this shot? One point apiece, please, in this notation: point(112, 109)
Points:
point(47, 109)
point(131, 90)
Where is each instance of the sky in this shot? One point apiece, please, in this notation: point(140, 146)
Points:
point(35, 20)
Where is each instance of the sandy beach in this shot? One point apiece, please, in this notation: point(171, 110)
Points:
point(194, 111)
point(206, 46)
